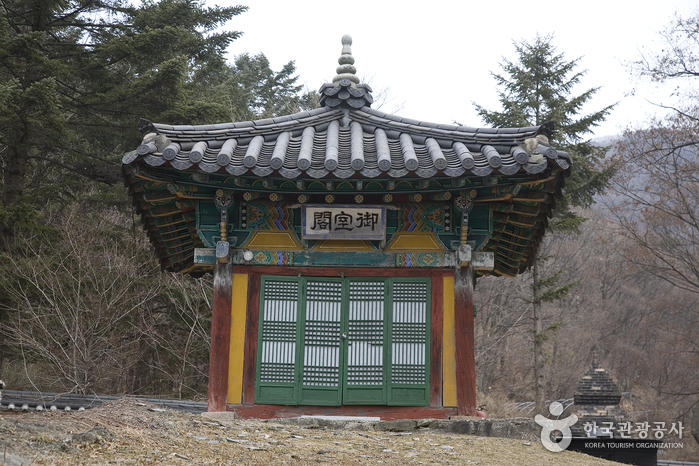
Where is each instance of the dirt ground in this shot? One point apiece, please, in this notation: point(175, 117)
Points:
point(130, 432)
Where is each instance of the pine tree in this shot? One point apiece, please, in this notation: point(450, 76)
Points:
point(537, 88)
point(76, 75)
point(250, 89)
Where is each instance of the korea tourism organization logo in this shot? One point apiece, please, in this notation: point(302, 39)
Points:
point(556, 434)
point(550, 427)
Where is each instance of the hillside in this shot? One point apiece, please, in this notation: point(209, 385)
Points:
point(130, 432)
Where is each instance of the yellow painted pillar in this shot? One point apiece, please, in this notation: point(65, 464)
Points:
point(448, 345)
point(239, 307)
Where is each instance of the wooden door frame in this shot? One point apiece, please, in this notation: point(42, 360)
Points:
point(413, 393)
point(252, 322)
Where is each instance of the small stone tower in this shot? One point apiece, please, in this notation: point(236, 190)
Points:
point(596, 403)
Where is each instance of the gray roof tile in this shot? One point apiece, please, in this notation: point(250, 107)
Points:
point(282, 119)
point(428, 124)
point(528, 129)
point(37, 401)
point(183, 128)
point(331, 144)
point(508, 130)
point(488, 131)
point(319, 111)
point(263, 122)
point(410, 121)
point(317, 163)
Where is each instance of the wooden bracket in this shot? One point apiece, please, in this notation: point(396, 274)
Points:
point(222, 252)
point(464, 255)
point(483, 260)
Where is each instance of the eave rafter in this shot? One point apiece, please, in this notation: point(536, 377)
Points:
point(347, 152)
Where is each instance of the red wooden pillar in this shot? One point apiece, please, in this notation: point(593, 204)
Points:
point(220, 337)
point(464, 342)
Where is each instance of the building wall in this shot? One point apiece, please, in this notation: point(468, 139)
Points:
point(245, 320)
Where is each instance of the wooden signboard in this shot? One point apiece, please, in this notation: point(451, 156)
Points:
point(344, 222)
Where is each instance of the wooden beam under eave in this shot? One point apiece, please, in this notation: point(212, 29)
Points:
point(464, 344)
point(220, 337)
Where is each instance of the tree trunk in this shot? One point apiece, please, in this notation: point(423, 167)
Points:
point(539, 399)
point(13, 177)
point(13, 190)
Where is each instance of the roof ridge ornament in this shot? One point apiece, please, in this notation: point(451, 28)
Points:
point(346, 87)
point(346, 70)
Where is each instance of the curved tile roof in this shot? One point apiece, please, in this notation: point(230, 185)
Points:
point(19, 401)
point(344, 143)
point(348, 146)
point(597, 404)
point(346, 138)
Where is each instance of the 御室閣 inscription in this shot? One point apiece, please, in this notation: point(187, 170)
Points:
point(344, 222)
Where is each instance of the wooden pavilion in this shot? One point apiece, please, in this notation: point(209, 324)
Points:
point(344, 244)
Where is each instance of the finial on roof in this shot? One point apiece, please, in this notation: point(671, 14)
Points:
point(346, 88)
point(346, 70)
point(595, 358)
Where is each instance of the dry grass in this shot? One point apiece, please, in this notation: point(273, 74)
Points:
point(498, 406)
point(127, 432)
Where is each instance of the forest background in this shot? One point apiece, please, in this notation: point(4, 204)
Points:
point(85, 308)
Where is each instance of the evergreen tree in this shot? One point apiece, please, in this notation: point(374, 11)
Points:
point(537, 88)
point(249, 90)
point(76, 75)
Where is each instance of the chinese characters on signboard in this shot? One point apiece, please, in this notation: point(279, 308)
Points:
point(344, 222)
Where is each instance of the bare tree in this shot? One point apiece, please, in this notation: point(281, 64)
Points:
point(89, 310)
point(655, 197)
point(70, 295)
point(176, 335)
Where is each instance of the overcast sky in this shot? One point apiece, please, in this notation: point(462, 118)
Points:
point(436, 56)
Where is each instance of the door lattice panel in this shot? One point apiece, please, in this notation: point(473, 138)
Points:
point(333, 341)
point(321, 358)
point(366, 333)
point(277, 361)
point(409, 331)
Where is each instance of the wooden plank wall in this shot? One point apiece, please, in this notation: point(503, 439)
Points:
point(448, 345)
point(250, 356)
